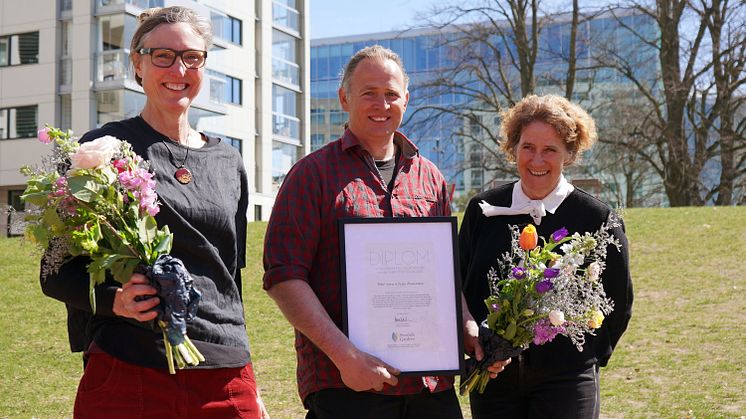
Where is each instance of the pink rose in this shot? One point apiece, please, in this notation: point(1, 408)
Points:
point(95, 154)
point(43, 135)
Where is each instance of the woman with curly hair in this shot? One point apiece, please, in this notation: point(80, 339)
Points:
point(543, 135)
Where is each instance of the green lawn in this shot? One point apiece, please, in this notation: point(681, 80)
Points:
point(683, 356)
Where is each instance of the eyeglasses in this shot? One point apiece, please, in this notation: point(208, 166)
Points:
point(165, 57)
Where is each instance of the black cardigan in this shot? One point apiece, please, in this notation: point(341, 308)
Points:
point(208, 220)
point(483, 239)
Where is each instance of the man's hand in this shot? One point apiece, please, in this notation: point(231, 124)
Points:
point(361, 371)
point(300, 305)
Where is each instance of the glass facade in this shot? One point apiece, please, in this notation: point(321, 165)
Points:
point(426, 55)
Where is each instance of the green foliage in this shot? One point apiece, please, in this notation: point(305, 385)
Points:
point(684, 354)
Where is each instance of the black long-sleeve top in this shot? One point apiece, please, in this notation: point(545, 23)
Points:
point(483, 239)
point(208, 220)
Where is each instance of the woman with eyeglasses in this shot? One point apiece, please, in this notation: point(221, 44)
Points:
point(203, 192)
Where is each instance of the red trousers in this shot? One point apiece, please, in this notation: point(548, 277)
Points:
point(112, 389)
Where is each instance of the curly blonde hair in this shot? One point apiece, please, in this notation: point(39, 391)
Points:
point(573, 124)
point(149, 19)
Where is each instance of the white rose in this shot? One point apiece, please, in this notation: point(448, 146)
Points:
point(95, 154)
point(556, 317)
point(594, 270)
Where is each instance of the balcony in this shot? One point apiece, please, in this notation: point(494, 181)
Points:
point(217, 89)
point(286, 126)
point(286, 72)
point(143, 4)
point(66, 72)
point(113, 65)
point(285, 16)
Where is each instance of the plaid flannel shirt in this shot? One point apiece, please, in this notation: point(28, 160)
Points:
point(302, 242)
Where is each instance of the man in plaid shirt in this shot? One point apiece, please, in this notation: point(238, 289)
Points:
point(372, 171)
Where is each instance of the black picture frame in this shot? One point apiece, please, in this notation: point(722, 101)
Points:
point(402, 274)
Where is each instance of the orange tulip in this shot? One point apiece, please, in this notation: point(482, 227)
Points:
point(528, 238)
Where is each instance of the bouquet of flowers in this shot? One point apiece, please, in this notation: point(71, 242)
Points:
point(538, 294)
point(98, 199)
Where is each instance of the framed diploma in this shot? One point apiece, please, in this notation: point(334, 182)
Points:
point(401, 294)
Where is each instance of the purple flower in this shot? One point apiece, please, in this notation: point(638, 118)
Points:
point(559, 234)
point(544, 331)
point(495, 307)
point(60, 187)
point(543, 286)
point(551, 272)
point(518, 273)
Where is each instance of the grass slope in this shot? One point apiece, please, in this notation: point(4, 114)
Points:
point(684, 354)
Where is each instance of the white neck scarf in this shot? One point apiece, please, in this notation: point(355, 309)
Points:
point(537, 208)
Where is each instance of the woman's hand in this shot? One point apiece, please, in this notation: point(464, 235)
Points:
point(126, 303)
point(474, 348)
point(262, 407)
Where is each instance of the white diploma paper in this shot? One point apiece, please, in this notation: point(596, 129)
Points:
point(401, 294)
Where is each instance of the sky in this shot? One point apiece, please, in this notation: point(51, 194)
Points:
point(331, 18)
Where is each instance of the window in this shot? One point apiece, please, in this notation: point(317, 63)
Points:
point(227, 28)
point(284, 157)
point(224, 88)
point(317, 141)
point(233, 90)
point(18, 122)
point(476, 178)
point(114, 105)
point(236, 143)
point(284, 65)
point(318, 116)
point(143, 4)
point(285, 14)
point(66, 112)
point(19, 49)
point(112, 32)
point(337, 118)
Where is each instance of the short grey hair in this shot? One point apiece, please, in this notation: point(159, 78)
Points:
point(151, 18)
point(373, 52)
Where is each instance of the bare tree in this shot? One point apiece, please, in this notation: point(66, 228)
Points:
point(680, 67)
point(626, 174)
point(727, 29)
point(492, 48)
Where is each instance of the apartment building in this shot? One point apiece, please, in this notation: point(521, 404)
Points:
point(66, 63)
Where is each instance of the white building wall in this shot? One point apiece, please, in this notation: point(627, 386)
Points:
point(38, 84)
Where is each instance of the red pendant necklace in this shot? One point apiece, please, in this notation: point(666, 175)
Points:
point(182, 174)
